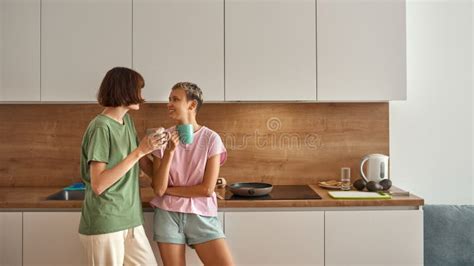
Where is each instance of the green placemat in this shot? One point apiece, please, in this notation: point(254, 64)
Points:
point(358, 195)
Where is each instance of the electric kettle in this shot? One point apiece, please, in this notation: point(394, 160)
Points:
point(377, 167)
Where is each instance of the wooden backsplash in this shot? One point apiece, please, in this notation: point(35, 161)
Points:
point(282, 143)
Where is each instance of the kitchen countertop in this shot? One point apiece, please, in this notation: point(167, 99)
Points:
point(35, 198)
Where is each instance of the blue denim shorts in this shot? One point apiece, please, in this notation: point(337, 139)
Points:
point(185, 228)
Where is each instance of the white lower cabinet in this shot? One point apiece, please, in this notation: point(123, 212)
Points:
point(51, 238)
point(10, 238)
point(191, 256)
point(311, 237)
point(276, 237)
point(382, 237)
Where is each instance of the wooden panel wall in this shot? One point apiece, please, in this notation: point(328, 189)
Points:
point(281, 143)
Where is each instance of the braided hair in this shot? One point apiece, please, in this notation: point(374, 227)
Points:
point(193, 92)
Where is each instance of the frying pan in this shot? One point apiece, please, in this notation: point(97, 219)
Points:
point(253, 189)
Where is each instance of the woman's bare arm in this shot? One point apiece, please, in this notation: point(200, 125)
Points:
point(206, 188)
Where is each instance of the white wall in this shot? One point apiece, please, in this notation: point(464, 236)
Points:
point(431, 134)
point(2, 23)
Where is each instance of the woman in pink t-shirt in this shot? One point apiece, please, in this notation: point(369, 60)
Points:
point(184, 177)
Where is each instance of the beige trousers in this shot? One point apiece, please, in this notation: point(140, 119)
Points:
point(127, 247)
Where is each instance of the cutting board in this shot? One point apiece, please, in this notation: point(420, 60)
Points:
point(358, 195)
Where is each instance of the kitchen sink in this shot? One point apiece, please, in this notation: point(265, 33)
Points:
point(67, 195)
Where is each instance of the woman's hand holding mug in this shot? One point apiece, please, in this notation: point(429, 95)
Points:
point(157, 137)
point(173, 142)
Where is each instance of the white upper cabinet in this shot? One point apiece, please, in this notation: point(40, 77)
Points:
point(260, 50)
point(361, 50)
point(19, 50)
point(270, 50)
point(179, 40)
point(81, 41)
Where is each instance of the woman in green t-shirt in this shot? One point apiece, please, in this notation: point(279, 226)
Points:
point(111, 228)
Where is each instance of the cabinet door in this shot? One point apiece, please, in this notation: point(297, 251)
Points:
point(276, 238)
point(52, 238)
point(191, 256)
point(374, 237)
point(361, 50)
point(179, 40)
point(81, 41)
point(20, 50)
point(11, 238)
point(270, 50)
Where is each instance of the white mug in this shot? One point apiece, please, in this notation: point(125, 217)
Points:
point(158, 133)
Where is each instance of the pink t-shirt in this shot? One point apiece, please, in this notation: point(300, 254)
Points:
point(187, 169)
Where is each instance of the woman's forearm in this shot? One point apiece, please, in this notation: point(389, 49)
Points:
point(146, 165)
point(161, 174)
point(200, 190)
point(102, 179)
point(206, 188)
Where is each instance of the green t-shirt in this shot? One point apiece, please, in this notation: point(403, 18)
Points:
point(119, 207)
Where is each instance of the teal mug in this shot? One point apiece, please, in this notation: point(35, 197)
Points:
point(186, 133)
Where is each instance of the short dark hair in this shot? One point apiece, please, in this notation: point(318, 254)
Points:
point(193, 92)
point(121, 87)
